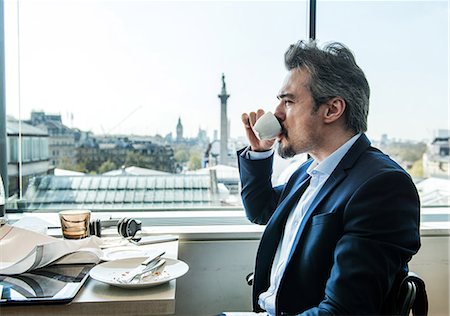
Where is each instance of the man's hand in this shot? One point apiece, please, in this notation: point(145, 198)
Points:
point(249, 121)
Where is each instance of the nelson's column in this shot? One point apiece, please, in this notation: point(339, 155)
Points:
point(223, 123)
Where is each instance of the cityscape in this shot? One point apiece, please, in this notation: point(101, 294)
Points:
point(119, 97)
point(198, 171)
point(51, 148)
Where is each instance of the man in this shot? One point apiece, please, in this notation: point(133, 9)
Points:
point(347, 221)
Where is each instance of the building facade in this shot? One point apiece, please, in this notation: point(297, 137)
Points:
point(28, 161)
point(92, 154)
point(436, 159)
point(61, 139)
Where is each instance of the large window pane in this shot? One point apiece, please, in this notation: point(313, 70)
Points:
point(402, 46)
point(128, 87)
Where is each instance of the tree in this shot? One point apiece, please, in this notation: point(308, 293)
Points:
point(135, 159)
point(417, 169)
point(81, 167)
point(405, 151)
point(66, 163)
point(194, 162)
point(108, 165)
point(181, 156)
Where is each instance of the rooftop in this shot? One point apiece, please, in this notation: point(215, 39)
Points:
point(118, 192)
point(12, 128)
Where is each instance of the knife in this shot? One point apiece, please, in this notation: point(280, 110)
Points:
point(145, 265)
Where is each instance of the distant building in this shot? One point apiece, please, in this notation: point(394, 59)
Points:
point(384, 140)
point(120, 151)
point(179, 131)
point(168, 138)
point(34, 155)
point(61, 140)
point(202, 137)
point(436, 159)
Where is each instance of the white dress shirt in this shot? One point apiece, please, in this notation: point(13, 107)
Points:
point(319, 173)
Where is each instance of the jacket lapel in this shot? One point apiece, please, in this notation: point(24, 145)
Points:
point(275, 226)
point(272, 234)
point(335, 178)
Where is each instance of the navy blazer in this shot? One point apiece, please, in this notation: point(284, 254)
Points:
point(358, 234)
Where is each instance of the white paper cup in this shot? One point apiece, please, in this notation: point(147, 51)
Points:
point(267, 126)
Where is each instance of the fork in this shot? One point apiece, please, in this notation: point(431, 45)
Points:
point(147, 270)
point(158, 267)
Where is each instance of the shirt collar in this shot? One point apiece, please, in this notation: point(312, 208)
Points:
point(327, 166)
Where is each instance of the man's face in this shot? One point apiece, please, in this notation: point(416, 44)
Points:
point(301, 124)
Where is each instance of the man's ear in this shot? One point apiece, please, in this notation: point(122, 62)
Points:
point(334, 109)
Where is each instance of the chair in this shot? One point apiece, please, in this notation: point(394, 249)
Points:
point(407, 294)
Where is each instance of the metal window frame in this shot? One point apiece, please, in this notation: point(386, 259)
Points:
point(3, 144)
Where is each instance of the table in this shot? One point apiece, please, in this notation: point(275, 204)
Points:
point(97, 298)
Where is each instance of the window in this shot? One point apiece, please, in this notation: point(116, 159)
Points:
point(12, 149)
point(402, 46)
point(133, 91)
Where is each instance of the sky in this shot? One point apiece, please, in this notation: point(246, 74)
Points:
point(136, 66)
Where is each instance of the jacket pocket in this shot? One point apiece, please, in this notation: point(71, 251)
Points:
point(323, 218)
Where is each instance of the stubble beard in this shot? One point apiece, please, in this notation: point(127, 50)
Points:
point(290, 149)
point(286, 151)
point(305, 145)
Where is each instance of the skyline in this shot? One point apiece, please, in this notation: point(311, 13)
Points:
point(383, 137)
point(146, 63)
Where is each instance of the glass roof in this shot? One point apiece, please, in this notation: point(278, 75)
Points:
point(130, 192)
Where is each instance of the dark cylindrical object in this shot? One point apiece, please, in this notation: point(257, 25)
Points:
point(312, 19)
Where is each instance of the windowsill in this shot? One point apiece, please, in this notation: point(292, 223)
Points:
point(231, 249)
point(203, 224)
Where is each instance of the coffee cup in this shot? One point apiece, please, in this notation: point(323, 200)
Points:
point(267, 127)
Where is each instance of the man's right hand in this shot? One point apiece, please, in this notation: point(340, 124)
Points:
point(249, 121)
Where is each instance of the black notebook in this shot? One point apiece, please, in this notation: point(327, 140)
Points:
point(52, 284)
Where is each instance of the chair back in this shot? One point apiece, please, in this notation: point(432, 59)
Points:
point(407, 294)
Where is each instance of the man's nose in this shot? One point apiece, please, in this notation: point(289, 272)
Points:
point(279, 112)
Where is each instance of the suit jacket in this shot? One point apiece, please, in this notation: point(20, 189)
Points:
point(358, 234)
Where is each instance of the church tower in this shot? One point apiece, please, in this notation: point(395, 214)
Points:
point(179, 131)
point(223, 123)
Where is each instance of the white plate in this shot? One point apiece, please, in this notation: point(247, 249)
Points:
point(127, 252)
point(109, 272)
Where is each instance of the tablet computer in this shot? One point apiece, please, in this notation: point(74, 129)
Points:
point(52, 284)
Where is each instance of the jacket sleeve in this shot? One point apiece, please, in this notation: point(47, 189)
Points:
point(260, 199)
point(380, 235)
